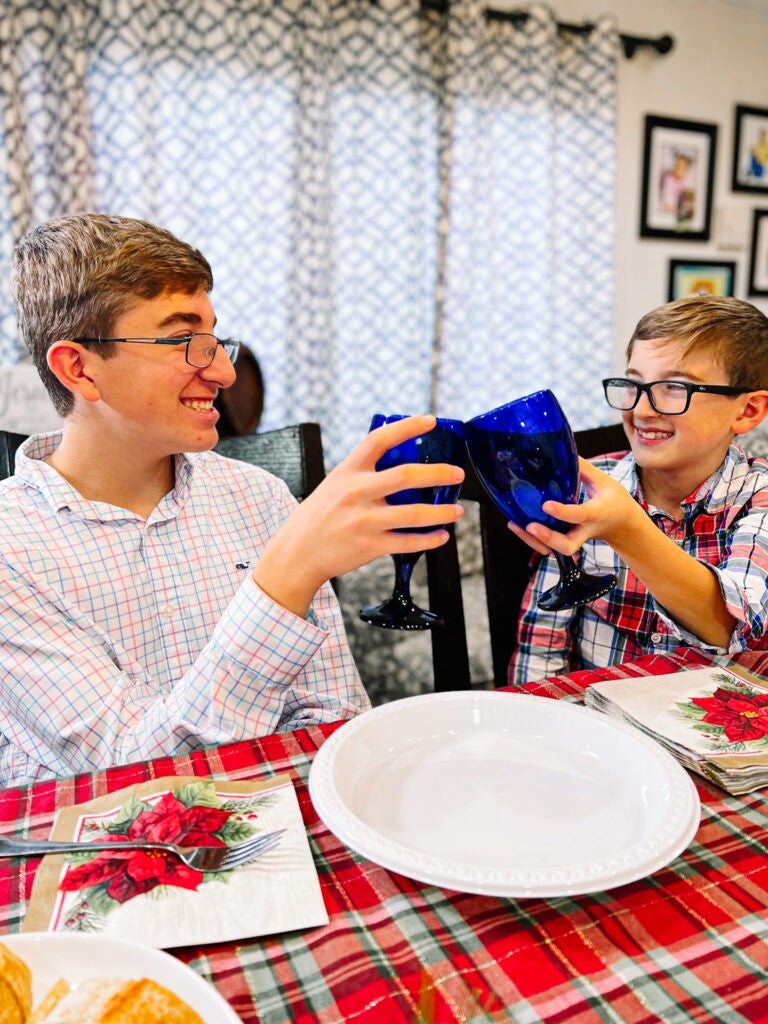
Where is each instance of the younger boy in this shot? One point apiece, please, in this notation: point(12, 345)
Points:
point(682, 520)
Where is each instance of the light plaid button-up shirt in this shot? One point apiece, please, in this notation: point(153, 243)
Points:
point(724, 524)
point(123, 639)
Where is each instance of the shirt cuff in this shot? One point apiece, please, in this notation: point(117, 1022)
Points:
point(259, 634)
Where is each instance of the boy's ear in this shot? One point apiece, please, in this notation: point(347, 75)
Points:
point(70, 363)
point(754, 412)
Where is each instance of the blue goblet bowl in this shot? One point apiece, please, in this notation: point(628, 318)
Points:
point(445, 443)
point(525, 454)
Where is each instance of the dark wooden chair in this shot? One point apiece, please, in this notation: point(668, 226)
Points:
point(506, 570)
point(9, 443)
point(294, 453)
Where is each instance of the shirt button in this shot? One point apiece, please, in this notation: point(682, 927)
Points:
point(655, 638)
point(169, 611)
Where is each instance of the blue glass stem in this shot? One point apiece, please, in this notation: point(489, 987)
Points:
point(575, 587)
point(399, 610)
point(401, 595)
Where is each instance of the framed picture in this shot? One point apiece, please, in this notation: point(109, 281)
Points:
point(678, 175)
point(700, 277)
point(758, 262)
point(750, 150)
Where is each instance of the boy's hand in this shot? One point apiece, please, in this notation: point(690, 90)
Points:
point(347, 521)
point(606, 514)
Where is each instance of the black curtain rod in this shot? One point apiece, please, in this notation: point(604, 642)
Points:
point(630, 43)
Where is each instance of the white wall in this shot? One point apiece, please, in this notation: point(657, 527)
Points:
point(720, 59)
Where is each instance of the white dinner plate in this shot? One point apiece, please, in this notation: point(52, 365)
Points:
point(53, 955)
point(504, 794)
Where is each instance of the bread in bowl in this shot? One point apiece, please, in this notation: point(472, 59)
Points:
point(15, 988)
point(116, 1001)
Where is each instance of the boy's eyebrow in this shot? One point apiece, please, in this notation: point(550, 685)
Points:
point(668, 374)
point(193, 319)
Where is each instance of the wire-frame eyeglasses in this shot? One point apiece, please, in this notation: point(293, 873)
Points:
point(200, 348)
point(667, 397)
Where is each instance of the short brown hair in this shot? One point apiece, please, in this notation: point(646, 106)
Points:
point(733, 331)
point(73, 276)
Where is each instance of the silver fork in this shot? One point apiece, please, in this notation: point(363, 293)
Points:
point(201, 858)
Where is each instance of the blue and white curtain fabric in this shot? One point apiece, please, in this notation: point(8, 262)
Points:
point(529, 212)
point(404, 209)
point(45, 158)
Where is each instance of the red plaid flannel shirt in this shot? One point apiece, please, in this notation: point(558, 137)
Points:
point(724, 524)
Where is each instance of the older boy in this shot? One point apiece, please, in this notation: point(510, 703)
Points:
point(156, 597)
point(682, 520)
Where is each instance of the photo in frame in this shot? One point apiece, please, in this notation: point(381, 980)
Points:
point(678, 177)
point(758, 262)
point(750, 150)
point(700, 277)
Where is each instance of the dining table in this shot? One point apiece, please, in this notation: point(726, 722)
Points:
point(688, 943)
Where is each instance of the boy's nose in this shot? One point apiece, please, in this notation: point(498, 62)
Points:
point(644, 407)
point(221, 370)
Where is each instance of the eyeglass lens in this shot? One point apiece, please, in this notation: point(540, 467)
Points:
point(667, 396)
point(201, 349)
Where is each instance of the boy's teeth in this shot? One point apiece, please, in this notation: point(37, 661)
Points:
point(653, 434)
point(198, 406)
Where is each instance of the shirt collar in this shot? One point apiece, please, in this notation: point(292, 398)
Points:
point(710, 496)
point(32, 471)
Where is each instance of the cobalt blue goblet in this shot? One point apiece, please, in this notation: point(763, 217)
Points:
point(525, 454)
point(445, 443)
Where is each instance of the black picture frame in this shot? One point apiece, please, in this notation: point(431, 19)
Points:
point(750, 150)
point(758, 260)
point(678, 179)
point(700, 277)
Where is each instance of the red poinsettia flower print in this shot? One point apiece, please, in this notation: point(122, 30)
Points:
point(170, 821)
point(127, 873)
point(741, 717)
point(149, 868)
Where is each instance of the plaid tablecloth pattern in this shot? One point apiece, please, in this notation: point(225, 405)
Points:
point(686, 945)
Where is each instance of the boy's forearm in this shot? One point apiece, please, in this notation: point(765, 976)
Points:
point(684, 586)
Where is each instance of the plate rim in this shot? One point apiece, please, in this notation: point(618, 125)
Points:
point(388, 853)
point(219, 1012)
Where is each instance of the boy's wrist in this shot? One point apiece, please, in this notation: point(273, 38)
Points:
point(283, 577)
point(631, 534)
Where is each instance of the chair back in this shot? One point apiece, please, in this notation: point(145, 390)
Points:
point(9, 443)
point(506, 569)
point(293, 453)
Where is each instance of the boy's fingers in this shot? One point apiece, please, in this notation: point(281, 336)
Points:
point(417, 517)
point(590, 476)
point(566, 513)
point(414, 475)
point(528, 539)
point(407, 543)
point(378, 441)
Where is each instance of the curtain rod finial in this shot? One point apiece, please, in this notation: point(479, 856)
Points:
point(633, 43)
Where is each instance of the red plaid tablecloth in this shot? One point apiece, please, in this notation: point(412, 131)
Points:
point(687, 944)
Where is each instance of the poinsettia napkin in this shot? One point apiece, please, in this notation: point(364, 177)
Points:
point(714, 720)
point(156, 900)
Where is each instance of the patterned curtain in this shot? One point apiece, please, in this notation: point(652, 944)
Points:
point(391, 199)
point(527, 230)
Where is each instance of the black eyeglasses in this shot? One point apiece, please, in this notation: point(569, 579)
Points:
point(200, 348)
point(668, 397)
